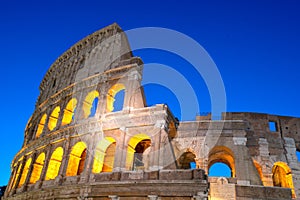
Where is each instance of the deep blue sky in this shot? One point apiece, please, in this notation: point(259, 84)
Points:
point(255, 45)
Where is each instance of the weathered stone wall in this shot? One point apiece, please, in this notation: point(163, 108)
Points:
point(101, 65)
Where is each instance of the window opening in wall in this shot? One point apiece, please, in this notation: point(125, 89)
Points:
point(119, 100)
point(90, 103)
point(187, 161)
point(54, 163)
point(53, 118)
point(81, 162)
point(111, 98)
point(219, 169)
point(41, 126)
point(25, 172)
point(94, 107)
point(37, 168)
point(77, 159)
point(138, 149)
point(69, 112)
point(273, 126)
point(282, 176)
point(138, 155)
point(17, 175)
point(104, 155)
point(298, 155)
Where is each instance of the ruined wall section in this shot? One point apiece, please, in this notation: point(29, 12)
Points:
point(269, 145)
point(209, 139)
point(98, 52)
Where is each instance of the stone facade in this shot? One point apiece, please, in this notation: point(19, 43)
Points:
point(77, 146)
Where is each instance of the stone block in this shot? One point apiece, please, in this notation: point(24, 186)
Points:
point(175, 175)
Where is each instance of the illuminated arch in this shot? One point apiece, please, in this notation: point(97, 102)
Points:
point(282, 176)
point(76, 159)
point(89, 104)
point(104, 155)
point(25, 172)
point(134, 155)
point(37, 168)
point(53, 118)
point(17, 175)
point(111, 96)
point(54, 163)
point(259, 170)
point(224, 155)
point(41, 126)
point(186, 159)
point(69, 112)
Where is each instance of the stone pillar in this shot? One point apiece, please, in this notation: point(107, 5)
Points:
point(133, 96)
point(12, 178)
point(22, 163)
point(30, 171)
point(65, 160)
point(156, 154)
point(91, 149)
point(48, 154)
point(121, 151)
point(101, 108)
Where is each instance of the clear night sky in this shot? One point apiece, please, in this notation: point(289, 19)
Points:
point(255, 45)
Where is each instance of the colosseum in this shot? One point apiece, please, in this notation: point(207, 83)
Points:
point(77, 145)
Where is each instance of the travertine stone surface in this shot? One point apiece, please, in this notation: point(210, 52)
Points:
point(141, 152)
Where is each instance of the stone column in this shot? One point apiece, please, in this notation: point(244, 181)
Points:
point(29, 171)
point(133, 97)
point(156, 156)
point(88, 166)
point(121, 150)
point(65, 160)
point(22, 163)
point(12, 180)
point(48, 153)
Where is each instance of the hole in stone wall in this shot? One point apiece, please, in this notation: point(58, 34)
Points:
point(90, 104)
point(94, 107)
point(219, 169)
point(273, 126)
point(119, 100)
point(283, 177)
point(114, 101)
point(187, 160)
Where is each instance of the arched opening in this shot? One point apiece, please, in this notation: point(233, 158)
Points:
point(222, 154)
point(135, 152)
point(41, 126)
point(282, 176)
point(54, 163)
point(17, 175)
point(187, 160)
point(53, 118)
point(90, 104)
point(69, 112)
point(37, 168)
point(114, 100)
point(104, 155)
point(76, 159)
point(219, 169)
point(25, 172)
point(259, 170)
